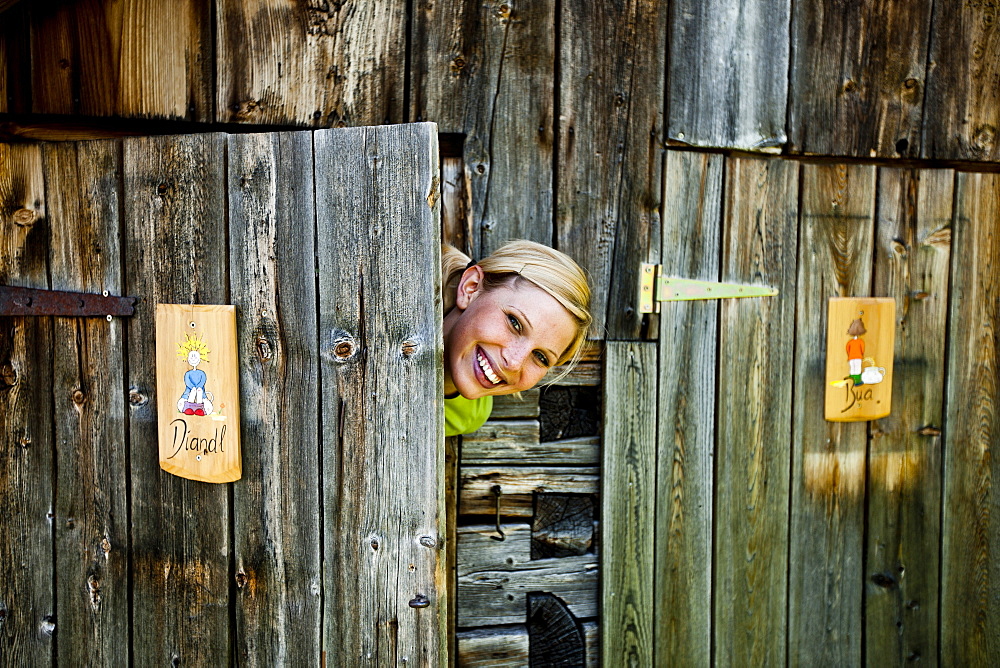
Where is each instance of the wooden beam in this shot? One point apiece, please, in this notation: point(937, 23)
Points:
point(754, 413)
point(913, 257)
point(970, 582)
point(629, 498)
point(829, 478)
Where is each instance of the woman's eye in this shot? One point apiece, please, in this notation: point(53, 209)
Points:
point(542, 359)
point(514, 322)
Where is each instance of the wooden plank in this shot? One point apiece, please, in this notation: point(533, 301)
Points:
point(15, 61)
point(754, 414)
point(857, 78)
point(611, 100)
point(728, 73)
point(686, 422)
point(142, 59)
point(629, 499)
point(518, 485)
point(175, 252)
point(486, 70)
point(592, 641)
point(276, 506)
point(584, 374)
point(320, 64)
point(515, 442)
point(91, 527)
point(506, 406)
point(828, 479)
point(970, 584)
point(456, 208)
point(27, 588)
point(498, 595)
point(913, 236)
point(381, 373)
point(496, 647)
point(478, 547)
point(579, 451)
point(962, 113)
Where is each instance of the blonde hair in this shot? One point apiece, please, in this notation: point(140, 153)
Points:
point(554, 272)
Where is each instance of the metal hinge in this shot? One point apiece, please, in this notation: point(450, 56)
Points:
point(32, 301)
point(654, 288)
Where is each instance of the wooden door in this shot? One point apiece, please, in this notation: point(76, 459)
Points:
point(328, 550)
point(742, 528)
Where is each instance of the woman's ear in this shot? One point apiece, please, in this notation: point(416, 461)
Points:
point(469, 285)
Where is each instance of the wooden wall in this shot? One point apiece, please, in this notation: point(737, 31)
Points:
point(567, 110)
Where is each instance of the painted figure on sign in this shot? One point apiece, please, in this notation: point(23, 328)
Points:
point(196, 399)
point(856, 349)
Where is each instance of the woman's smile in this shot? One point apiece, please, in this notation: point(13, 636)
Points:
point(502, 340)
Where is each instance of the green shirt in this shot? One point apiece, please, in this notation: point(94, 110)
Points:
point(464, 416)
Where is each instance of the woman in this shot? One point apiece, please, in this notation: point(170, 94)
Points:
point(508, 319)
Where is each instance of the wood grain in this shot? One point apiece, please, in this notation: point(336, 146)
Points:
point(276, 507)
point(913, 253)
point(628, 490)
point(692, 226)
point(175, 249)
point(728, 73)
point(611, 93)
point(857, 77)
point(27, 587)
point(970, 585)
point(518, 486)
point(498, 595)
point(515, 442)
point(828, 479)
point(134, 59)
point(962, 113)
point(91, 525)
point(487, 70)
point(380, 346)
point(754, 414)
point(320, 64)
point(498, 647)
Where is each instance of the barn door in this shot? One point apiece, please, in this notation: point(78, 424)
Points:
point(328, 548)
point(742, 528)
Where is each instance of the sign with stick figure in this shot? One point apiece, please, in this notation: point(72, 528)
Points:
point(197, 392)
point(860, 337)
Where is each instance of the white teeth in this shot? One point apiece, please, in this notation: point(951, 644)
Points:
point(487, 369)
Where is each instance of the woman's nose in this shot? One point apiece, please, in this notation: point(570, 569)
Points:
point(514, 356)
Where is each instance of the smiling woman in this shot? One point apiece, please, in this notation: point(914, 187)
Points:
point(508, 319)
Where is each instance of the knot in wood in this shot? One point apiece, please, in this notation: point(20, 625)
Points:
point(25, 441)
point(344, 349)
point(503, 11)
point(137, 398)
point(910, 84)
point(883, 580)
point(162, 189)
point(48, 625)
point(79, 397)
point(850, 86)
point(241, 579)
point(264, 350)
point(106, 546)
point(408, 348)
point(24, 217)
point(8, 375)
point(457, 65)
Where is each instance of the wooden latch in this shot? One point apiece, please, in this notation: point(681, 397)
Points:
point(654, 288)
point(16, 300)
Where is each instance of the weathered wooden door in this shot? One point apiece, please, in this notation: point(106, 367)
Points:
point(328, 549)
point(740, 527)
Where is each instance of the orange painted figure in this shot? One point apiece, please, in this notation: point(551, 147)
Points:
point(856, 349)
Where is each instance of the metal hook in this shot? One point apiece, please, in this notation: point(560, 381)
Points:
point(496, 492)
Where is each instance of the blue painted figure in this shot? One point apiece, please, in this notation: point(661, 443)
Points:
point(196, 399)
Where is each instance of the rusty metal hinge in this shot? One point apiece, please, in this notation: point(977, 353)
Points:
point(655, 288)
point(16, 300)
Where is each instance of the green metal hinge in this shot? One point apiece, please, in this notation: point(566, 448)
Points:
point(655, 288)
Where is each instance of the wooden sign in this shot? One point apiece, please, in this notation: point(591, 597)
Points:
point(197, 392)
point(860, 337)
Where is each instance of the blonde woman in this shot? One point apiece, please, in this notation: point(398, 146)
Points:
point(509, 318)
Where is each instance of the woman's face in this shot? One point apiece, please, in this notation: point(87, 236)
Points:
point(503, 340)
